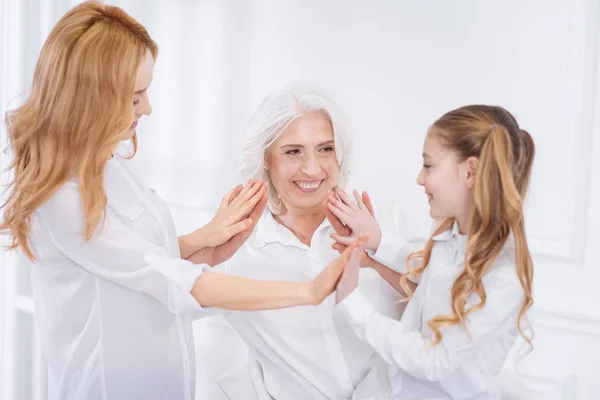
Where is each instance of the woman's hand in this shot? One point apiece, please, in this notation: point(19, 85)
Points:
point(231, 218)
point(324, 284)
point(344, 231)
point(349, 279)
point(356, 217)
point(218, 254)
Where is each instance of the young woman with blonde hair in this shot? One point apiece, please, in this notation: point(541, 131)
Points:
point(113, 293)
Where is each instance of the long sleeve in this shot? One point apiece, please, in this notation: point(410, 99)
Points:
point(393, 250)
point(119, 253)
point(411, 352)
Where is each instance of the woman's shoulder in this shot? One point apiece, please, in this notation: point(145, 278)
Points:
point(63, 211)
point(66, 199)
point(504, 267)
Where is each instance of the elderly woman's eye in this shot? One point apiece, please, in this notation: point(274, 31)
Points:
point(293, 151)
point(328, 148)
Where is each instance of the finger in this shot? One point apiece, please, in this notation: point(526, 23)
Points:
point(361, 241)
point(343, 262)
point(347, 199)
point(354, 259)
point(248, 192)
point(365, 260)
point(259, 209)
point(348, 251)
point(335, 222)
point(358, 200)
point(345, 240)
point(230, 196)
point(343, 216)
point(235, 192)
point(367, 201)
point(333, 199)
point(240, 227)
point(242, 192)
point(339, 247)
point(246, 208)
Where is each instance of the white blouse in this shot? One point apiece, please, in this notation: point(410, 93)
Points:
point(114, 313)
point(306, 352)
point(458, 367)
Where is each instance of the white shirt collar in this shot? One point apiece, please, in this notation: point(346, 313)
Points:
point(449, 233)
point(459, 242)
point(269, 230)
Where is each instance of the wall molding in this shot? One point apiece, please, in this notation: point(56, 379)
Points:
point(568, 322)
point(579, 103)
point(557, 387)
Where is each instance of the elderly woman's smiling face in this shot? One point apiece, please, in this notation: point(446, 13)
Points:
point(302, 163)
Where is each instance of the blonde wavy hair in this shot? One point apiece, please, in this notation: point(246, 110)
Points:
point(505, 154)
point(79, 108)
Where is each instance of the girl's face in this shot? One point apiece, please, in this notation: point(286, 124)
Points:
point(447, 180)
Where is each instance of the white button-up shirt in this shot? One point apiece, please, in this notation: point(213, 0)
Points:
point(458, 367)
point(306, 352)
point(114, 313)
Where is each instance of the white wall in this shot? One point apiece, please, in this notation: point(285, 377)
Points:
point(393, 67)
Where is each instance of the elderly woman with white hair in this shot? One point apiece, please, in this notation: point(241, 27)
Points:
point(299, 143)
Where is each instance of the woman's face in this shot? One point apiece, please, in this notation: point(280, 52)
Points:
point(302, 163)
point(141, 102)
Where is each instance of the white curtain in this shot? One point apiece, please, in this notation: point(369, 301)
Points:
point(187, 147)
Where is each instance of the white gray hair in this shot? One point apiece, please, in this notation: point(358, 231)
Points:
point(276, 112)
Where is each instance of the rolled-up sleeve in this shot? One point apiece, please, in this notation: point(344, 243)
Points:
point(120, 254)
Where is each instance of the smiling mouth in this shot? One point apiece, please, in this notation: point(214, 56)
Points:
point(309, 186)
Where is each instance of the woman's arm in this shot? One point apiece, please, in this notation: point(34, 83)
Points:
point(392, 277)
point(238, 293)
point(125, 257)
point(414, 354)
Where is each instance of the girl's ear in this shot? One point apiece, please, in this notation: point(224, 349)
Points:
point(471, 167)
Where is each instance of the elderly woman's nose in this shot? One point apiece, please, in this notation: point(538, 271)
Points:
point(311, 166)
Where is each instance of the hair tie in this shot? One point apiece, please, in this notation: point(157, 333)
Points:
point(493, 126)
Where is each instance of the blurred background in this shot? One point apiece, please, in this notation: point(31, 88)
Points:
point(393, 67)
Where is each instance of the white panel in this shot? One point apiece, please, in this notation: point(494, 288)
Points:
point(3, 256)
point(12, 55)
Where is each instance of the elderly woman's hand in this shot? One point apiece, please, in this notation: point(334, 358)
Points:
point(352, 218)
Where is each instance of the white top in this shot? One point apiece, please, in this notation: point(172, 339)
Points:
point(457, 368)
point(306, 352)
point(114, 313)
